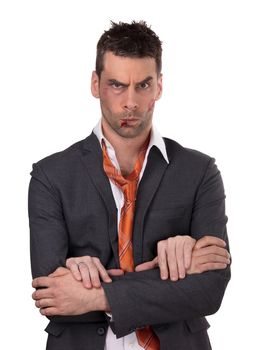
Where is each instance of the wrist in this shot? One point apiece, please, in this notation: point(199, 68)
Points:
point(100, 301)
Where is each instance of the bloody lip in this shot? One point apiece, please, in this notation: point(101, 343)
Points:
point(123, 123)
point(126, 122)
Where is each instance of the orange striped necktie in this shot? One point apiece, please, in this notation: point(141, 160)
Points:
point(146, 337)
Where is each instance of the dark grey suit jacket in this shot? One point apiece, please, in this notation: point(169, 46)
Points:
point(72, 213)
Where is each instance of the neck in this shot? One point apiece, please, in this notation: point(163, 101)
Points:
point(128, 146)
point(126, 149)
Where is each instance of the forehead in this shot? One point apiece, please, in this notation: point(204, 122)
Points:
point(126, 68)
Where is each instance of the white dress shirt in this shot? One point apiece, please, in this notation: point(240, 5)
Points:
point(128, 342)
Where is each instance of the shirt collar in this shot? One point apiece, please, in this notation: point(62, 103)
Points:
point(155, 140)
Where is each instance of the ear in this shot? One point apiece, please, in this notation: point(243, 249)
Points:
point(95, 80)
point(159, 88)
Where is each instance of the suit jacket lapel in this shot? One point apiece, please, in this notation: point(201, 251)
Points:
point(154, 171)
point(93, 161)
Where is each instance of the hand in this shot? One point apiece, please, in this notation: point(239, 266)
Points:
point(63, 295)
point(174, 256)
point(90, 270)
point(209, 253)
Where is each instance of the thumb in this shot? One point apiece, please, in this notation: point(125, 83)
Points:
point(149, 265)
point(60, 271)
point(115, 272)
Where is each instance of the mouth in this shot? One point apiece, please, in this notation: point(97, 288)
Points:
point(128, 122)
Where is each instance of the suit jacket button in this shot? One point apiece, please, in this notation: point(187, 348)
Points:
point(101, 331)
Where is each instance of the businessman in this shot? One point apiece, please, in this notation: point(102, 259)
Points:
point(129, 247)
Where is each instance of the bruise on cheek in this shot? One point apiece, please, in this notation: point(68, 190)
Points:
point(105, 90)
point(151, 105)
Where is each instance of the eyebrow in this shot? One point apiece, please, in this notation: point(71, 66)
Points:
point(115, 81)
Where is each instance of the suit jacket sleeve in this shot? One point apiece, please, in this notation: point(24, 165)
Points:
point(48, 232)
point(140, 299)
point(49, 238)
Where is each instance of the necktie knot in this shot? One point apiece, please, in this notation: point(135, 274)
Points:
point(128, 184)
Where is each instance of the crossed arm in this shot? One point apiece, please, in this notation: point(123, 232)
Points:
point(77, 290)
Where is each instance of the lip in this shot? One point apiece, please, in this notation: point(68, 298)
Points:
point(129, 120)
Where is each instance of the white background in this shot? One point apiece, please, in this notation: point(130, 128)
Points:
point(47, 55)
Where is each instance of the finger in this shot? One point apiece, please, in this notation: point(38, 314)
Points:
point(42, 293)
point(171, 260)
point(213, 249)
point(179, 251)
point(213, 258)
point(44, 303)
point(103, 274)
point(187, 251)
point(212, 266)
point(94, 274)
point(41, 282)
point(149, 265)
point(115, 272)
point(85, 275)
point(73, 267)
point(209, 240)
point(162, 260)
point(49, 311)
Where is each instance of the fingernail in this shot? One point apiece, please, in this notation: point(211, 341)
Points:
point(173, 278)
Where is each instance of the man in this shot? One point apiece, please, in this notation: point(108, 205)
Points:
point(128, 230)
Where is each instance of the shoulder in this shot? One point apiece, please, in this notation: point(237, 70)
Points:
point(61, 158)
point(189, 161)
point(63, 165)
point(178, 152)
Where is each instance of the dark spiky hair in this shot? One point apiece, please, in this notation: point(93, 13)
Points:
point(135, 40)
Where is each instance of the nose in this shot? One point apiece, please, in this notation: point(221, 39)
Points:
point(130, 103)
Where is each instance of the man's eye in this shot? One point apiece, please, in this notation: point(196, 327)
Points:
point(116, 85)
point(143, 86)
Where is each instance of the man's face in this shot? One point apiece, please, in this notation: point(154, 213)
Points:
point(127, 89)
